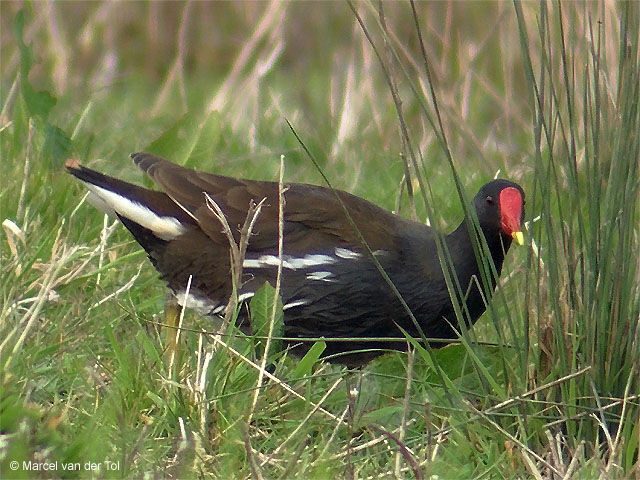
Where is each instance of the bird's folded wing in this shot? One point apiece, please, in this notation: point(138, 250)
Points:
point(313, 214)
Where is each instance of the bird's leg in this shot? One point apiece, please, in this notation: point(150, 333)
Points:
point(172, 311)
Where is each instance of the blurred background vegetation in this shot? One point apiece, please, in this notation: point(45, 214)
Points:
point(258, 62)
point(543, 94)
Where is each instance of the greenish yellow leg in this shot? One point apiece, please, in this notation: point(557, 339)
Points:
point(172, 318)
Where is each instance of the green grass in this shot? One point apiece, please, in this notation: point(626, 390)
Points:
point(545, 384)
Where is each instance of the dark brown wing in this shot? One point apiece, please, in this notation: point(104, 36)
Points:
point(313, 214)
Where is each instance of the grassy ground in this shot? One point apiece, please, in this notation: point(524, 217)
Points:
point(545, 385)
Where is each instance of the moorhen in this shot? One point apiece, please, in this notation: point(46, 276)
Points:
point(330, 286)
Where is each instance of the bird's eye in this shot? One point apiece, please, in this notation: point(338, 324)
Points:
point(489, 200)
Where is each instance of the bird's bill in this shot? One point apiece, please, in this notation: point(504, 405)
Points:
point(518, 237)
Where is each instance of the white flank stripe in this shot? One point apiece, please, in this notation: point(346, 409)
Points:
point(347, 254)
point(288, 262)
point(166, 228)
point(245, 296)
point(296, 303)
point(273, 260)
point(311, 261)
point(250, 263)
point(203, 306)
point(218, 309)
point(324, 276)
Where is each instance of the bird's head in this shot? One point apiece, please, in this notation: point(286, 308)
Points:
point(500, 207)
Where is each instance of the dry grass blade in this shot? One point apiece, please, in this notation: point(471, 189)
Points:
point(4, 120)
point(13, 233)
point(615, 452)
point(255, 471)
point(333, 434)
point(263, 364)
point(575, 462)
point(531, 465)
point(27, 167)
point(368, 444)
point(393, 88)
point(408, 456)
point(123, 288)
point(104, 237)
point(238, 250)
point(271, 20)
point(177, 71)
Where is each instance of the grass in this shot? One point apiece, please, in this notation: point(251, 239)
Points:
point(545, 385)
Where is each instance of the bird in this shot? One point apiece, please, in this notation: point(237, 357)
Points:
point(332, 285)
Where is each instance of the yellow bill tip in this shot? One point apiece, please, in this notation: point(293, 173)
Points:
point(518, 237)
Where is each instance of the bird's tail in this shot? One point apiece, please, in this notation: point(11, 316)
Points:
point(148, 214)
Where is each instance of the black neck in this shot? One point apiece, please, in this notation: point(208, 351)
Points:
point(460, 240)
